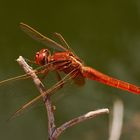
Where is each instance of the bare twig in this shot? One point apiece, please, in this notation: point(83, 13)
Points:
point(42, 90)
point(52, 130)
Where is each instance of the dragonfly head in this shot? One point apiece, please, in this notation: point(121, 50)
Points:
point(42, 57)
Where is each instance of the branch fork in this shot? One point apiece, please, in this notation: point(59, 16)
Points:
point(53, 131)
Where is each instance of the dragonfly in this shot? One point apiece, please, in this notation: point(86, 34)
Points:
point(66, 61)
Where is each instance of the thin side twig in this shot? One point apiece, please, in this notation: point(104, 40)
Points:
point(78, 120)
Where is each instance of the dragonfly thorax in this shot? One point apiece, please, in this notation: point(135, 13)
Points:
point(42, 57)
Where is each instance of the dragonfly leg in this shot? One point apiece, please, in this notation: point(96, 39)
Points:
point(58, 76)
point(30, 61)
point(45, 73)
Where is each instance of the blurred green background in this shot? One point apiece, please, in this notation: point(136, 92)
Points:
point(104, 34)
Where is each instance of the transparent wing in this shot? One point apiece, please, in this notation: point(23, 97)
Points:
point(62, 40)
point(26, 76)
point(48, 92)
point(64, 43)
point(41, 38)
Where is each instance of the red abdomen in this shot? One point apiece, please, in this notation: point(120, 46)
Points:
point(93, 74)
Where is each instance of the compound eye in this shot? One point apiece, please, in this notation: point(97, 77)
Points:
point(37, 58)
point(41, 57)
point(37, 55)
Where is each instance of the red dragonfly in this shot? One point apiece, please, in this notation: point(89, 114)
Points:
point(65, 60)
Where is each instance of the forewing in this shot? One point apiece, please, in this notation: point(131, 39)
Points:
point(41, 38)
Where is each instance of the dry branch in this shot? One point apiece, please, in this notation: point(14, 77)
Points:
point(54, 132)
point(42, 90)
